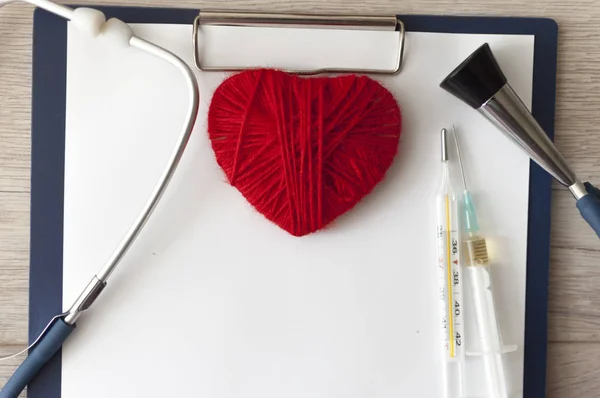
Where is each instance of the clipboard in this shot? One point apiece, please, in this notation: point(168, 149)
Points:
point(48, 166)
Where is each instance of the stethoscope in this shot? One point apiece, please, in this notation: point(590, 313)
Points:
point(117, 33)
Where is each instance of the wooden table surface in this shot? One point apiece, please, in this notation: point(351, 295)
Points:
point(574, 318)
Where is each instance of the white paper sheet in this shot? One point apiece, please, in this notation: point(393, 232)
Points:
point(215, 301)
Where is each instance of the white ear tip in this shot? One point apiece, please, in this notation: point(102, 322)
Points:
point(88, 20)
point(117, 32)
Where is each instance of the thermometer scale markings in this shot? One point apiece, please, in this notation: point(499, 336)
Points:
point(450, 279)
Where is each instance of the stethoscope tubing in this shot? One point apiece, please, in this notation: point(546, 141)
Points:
point(60, 327)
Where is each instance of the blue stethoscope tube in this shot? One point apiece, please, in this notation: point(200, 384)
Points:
point(48, 345)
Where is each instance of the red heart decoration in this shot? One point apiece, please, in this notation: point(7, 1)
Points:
point(303, 151)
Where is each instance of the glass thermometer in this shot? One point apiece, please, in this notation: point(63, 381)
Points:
point(449, 277)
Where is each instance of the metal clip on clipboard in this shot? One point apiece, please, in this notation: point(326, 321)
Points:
point(253, 19)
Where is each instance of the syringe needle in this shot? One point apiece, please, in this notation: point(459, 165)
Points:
point(471, 223)
point(462, 170)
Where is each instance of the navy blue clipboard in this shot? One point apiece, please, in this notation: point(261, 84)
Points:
point(48, 155)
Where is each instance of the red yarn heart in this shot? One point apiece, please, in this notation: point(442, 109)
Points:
point(303, 151)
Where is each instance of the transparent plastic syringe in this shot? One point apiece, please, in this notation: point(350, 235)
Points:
point(478, 281)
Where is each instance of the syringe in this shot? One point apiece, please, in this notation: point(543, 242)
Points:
point(477, 272)
point(449, 282)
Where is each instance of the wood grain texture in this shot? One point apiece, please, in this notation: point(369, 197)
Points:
point(574, 351)
point(574, 370)
point(574, 283)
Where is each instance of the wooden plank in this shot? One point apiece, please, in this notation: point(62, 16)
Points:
point(573, 370)
point(14, 274)
point(574, 294)
point(15, 98)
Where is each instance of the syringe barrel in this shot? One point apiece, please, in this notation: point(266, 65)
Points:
point(480, 288)
point(479, 282)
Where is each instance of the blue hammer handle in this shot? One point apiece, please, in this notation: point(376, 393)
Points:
point(589, 207)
